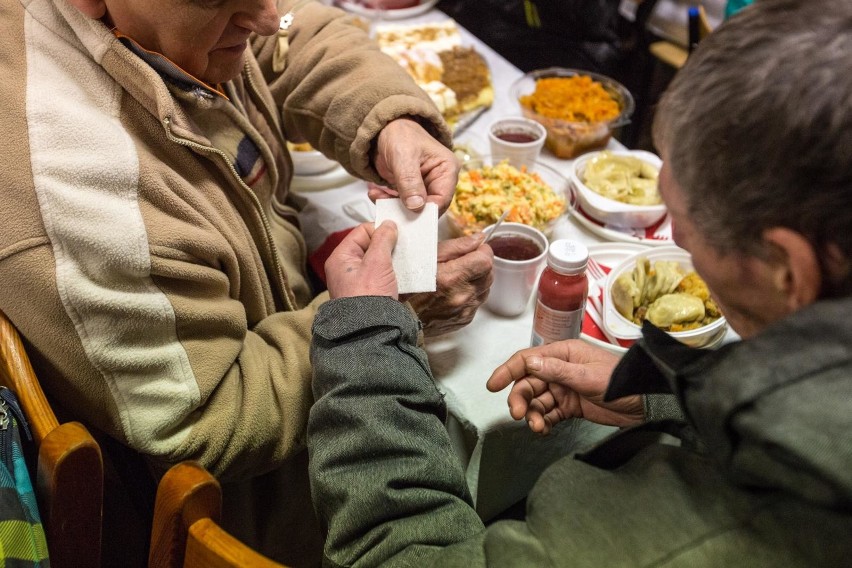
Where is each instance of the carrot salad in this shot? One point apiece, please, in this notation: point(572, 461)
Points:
point(482, 195)
point(575, 99)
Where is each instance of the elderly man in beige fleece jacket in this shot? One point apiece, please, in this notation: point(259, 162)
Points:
point(149, 252)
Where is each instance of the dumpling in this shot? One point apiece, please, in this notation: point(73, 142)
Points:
point(666, 276)
point(640, 275)
point(623, 178)
point(625, 295)
point(675, 308)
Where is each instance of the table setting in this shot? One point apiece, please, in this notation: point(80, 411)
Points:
point(503, 458)
point(386, 9)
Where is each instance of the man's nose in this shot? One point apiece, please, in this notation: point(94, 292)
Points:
point(261, 18)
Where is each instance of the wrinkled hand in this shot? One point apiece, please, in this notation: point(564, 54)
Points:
point(464, 278)
point(419, 168)
point(562, 380)
point(361, 263)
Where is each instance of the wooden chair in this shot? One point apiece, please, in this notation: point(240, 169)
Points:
point(69, 472)
point(186, 532)
point(653, 63)
point(673, 54)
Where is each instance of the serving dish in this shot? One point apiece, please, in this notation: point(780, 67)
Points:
point(583, 118)
point(612, 212)
point(708, 335)
point(537, 195)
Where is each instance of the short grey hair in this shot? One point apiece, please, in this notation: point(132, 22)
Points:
point(757, 126)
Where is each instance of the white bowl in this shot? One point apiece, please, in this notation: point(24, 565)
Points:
point(609, 211)
point(709, 335)
point(310, 163)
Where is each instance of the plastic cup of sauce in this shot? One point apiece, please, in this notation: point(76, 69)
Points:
point(519, 255)
point(516, 139)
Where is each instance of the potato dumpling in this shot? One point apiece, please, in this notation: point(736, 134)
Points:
point(665, 295)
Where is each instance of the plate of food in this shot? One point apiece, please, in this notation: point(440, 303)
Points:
point(661, 286)
point(619, 188)
point(535, 195)
point(607, 255)
point(386, 9)
point(455, 76)
point(618, 196)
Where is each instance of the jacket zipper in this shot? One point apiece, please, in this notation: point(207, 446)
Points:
point(266, 230)
point(10, 410)
point(267, 112)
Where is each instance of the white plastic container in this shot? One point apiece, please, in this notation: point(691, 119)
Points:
point(609, 211)
point(706, 336)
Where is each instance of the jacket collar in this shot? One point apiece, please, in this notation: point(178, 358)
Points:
point(169, 70)
point(774, 410)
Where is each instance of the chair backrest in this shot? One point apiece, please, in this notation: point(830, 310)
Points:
point(69, 474)
point(675, 55)
point(186, 533)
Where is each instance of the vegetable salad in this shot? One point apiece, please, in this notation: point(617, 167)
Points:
point(483, 194)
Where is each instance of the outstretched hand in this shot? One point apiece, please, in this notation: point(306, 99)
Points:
point(361, 264)
point(419, 168)
point(563, 380)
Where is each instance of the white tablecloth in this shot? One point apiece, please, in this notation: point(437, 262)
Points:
point(502, 457)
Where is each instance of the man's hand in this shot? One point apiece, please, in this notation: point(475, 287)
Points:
point(361, 263)
point(562, 380)
point(464, 278)
point(419, 168)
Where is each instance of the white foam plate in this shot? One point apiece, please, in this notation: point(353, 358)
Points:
point(658, 235)
point(610, 255)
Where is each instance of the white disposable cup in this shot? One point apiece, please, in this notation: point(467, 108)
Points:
point(514, 280)
point(518, 153)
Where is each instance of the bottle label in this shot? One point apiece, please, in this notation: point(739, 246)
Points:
point(551, 325)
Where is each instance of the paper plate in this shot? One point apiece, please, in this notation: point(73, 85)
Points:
point(398, 14)
point(659, 234)
point(608, 255)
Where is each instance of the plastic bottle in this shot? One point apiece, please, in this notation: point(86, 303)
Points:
point(561, 297)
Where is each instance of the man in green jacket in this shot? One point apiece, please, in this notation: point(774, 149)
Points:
point(754, 467)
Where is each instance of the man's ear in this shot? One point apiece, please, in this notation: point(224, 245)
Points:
point(94, 9)
point(797, 271)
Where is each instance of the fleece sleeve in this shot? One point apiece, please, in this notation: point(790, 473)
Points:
point(340, 102)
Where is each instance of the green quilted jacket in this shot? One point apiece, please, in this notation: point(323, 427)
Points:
point(765, 480)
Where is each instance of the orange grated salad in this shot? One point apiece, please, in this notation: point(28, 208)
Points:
point(575, 99)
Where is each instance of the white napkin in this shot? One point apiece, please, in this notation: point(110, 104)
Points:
point(415, 257)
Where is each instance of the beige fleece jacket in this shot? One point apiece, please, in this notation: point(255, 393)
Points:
point(138, 264)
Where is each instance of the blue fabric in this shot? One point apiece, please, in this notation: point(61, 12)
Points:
point(22, 540)
point(734, 6)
